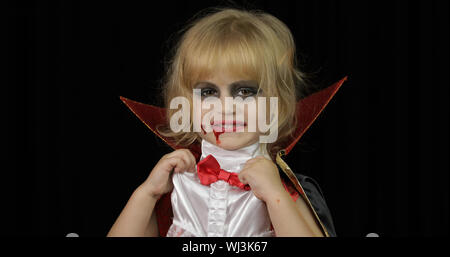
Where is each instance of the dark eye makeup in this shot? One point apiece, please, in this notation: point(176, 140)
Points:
point(205, 92)
point(244, 91)
point(239, 88)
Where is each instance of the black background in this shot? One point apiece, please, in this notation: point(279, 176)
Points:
point(73, 153)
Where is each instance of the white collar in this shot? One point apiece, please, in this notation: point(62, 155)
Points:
point(231, 160)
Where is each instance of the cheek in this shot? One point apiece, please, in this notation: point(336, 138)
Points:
point(200, 113)
point(208, 108)
point(263, 114)
point(249, 110)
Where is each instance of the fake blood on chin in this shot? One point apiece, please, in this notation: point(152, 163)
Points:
point(216, 134)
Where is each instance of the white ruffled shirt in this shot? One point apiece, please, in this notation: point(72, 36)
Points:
point(218, 209)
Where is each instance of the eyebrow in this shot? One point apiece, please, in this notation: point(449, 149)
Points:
point(234, 84)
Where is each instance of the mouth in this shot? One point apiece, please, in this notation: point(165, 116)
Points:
point(228, 126)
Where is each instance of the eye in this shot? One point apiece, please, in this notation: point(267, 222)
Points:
point(208, 92)
point(246, 91)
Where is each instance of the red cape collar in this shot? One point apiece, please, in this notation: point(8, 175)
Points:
point(307, 110)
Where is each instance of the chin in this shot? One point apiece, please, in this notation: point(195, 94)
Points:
point(232, 141)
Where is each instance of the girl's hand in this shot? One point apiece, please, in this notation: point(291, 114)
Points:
point(159, 181)
point(262, 176)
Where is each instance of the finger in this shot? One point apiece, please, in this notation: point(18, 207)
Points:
point(190, 157)
point(176, 164)
point(171, 154)
point(242, 177)
point(194, 162)
point(176, 152)
point(189, 160)
point(165, 156)
point(248, 164)
point(188, 153)
point(185, 155)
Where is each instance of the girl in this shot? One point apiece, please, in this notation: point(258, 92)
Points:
point(226, 182)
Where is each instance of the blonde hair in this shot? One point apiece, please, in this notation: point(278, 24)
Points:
point(252, 44)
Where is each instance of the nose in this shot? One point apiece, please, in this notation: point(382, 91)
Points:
point(228, 109)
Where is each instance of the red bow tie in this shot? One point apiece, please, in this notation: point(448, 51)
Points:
point(209, 171)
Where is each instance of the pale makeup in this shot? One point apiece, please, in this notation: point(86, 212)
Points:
point(228, 133)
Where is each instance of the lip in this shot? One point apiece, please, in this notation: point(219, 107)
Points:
point(228, 126)
point(229, 122)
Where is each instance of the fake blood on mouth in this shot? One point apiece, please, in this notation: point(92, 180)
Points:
point(216, 134)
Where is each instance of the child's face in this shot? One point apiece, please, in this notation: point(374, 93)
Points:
point(223, 85)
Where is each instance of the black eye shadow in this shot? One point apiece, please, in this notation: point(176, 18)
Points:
point(205, 86)
point(251, 86)
point(234, 88)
